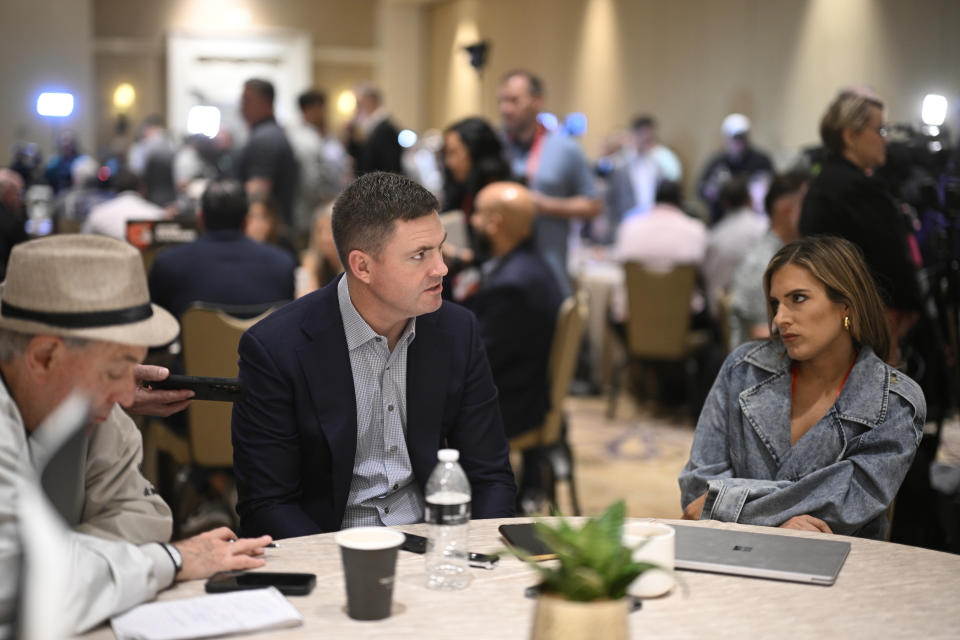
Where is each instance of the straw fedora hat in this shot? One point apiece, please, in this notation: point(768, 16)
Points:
point(82, 286)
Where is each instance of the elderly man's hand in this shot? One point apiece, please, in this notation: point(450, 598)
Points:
point(157, 402)
point(806, 523)
point(219, 550)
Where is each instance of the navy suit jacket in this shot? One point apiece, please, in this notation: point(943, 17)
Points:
point(517, 306)
point(295, 431)
point(221, 267)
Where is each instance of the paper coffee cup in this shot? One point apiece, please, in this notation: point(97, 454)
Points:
point(655, 543)
point(369, 556)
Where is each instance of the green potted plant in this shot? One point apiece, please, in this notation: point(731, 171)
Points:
point(584, 590)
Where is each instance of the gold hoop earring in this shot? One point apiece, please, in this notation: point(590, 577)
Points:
point(846, 322)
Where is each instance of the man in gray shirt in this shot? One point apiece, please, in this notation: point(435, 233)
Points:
point(550, 163)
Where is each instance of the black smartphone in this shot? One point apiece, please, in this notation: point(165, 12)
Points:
point(219, 389)
point(418, 544)
point(524, 537)
point(291, 584)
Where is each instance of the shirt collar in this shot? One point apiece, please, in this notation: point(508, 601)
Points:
point(356, 329)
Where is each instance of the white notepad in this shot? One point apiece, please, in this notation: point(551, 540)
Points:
point(207, 616)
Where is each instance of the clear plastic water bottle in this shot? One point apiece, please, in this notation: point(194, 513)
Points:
point(448, 514)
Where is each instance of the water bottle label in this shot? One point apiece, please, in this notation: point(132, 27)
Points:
point(448, 514)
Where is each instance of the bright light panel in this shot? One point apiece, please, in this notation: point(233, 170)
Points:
point(407, 138)
point(203, 119)
point(346, 102)
point(576, 124)
point(55, 105)
point(549, 120)
point(124, 96)
point(934, 110)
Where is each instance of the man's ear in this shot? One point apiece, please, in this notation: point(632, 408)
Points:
point(360, 264)
point(42, 353)
point(848, 137)
point(495, 222)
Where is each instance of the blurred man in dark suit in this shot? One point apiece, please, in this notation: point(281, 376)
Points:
point(223, 266)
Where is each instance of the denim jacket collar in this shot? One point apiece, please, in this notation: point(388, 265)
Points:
point(864, 395)
point(863, 400)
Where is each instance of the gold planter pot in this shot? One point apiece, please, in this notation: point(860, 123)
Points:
point(559, 619)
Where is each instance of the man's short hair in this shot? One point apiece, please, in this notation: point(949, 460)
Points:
point(734, 194)
point(669, 192)
point(262, 87)
point(224, 205)
point(783, 185)
point(370, 91)
point(643, 121)
point(311, 97)
point(534, 84)
point(126, 180)
point(364, 214)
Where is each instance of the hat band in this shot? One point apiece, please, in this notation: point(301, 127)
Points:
point(81, 319)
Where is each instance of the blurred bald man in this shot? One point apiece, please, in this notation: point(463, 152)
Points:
point(516, 304)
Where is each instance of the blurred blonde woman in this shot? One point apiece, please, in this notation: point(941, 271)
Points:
point(320, 263)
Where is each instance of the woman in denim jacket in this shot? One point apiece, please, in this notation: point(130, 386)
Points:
point(809, 429)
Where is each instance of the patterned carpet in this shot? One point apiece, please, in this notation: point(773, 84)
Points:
point(636, 456)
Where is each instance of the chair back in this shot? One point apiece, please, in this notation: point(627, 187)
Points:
point(659, 307)
point(571, 322)
point(210, 337)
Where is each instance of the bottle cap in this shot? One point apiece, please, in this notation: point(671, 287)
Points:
point(448, 455)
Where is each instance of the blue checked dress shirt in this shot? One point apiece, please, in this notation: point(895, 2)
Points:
point(383, 490)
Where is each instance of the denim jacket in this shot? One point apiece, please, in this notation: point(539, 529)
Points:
point(845, 470)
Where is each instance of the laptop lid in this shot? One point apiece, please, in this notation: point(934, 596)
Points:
point(760, 555)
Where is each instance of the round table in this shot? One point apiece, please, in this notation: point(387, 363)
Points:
point(883, 590)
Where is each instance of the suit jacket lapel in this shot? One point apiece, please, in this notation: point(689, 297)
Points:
point(428, 371)
point(325, 363)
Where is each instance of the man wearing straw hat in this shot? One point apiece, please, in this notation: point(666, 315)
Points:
point(75, 314)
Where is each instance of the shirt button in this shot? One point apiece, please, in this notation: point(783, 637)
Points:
point(386, 509)
point(396, 486)
point(389, 407)
point(379, 339)
point(393, 449)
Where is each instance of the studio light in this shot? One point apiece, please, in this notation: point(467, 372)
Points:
point(55, 105)
point(549, 120)
point(407, 138)
point(124, 96)
point(203, 119)
point(346, 102)
point(576, 124)
point(934, 110)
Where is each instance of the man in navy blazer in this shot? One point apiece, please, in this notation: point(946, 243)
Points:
point(351, 390)
point(516, 305)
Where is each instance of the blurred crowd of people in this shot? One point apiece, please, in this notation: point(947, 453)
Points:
point(630, 201)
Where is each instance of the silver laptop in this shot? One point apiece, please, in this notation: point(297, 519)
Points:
point(760, 555)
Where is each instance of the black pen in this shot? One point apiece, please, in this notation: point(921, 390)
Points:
point(271, 545)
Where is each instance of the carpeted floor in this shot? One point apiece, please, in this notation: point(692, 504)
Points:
point(636, 456)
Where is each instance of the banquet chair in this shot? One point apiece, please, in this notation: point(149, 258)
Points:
point(550, 437)
point(658, 327)
point(210, 335)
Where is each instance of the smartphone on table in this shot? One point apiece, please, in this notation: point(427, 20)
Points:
point(418, 544)
point(291, 584)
